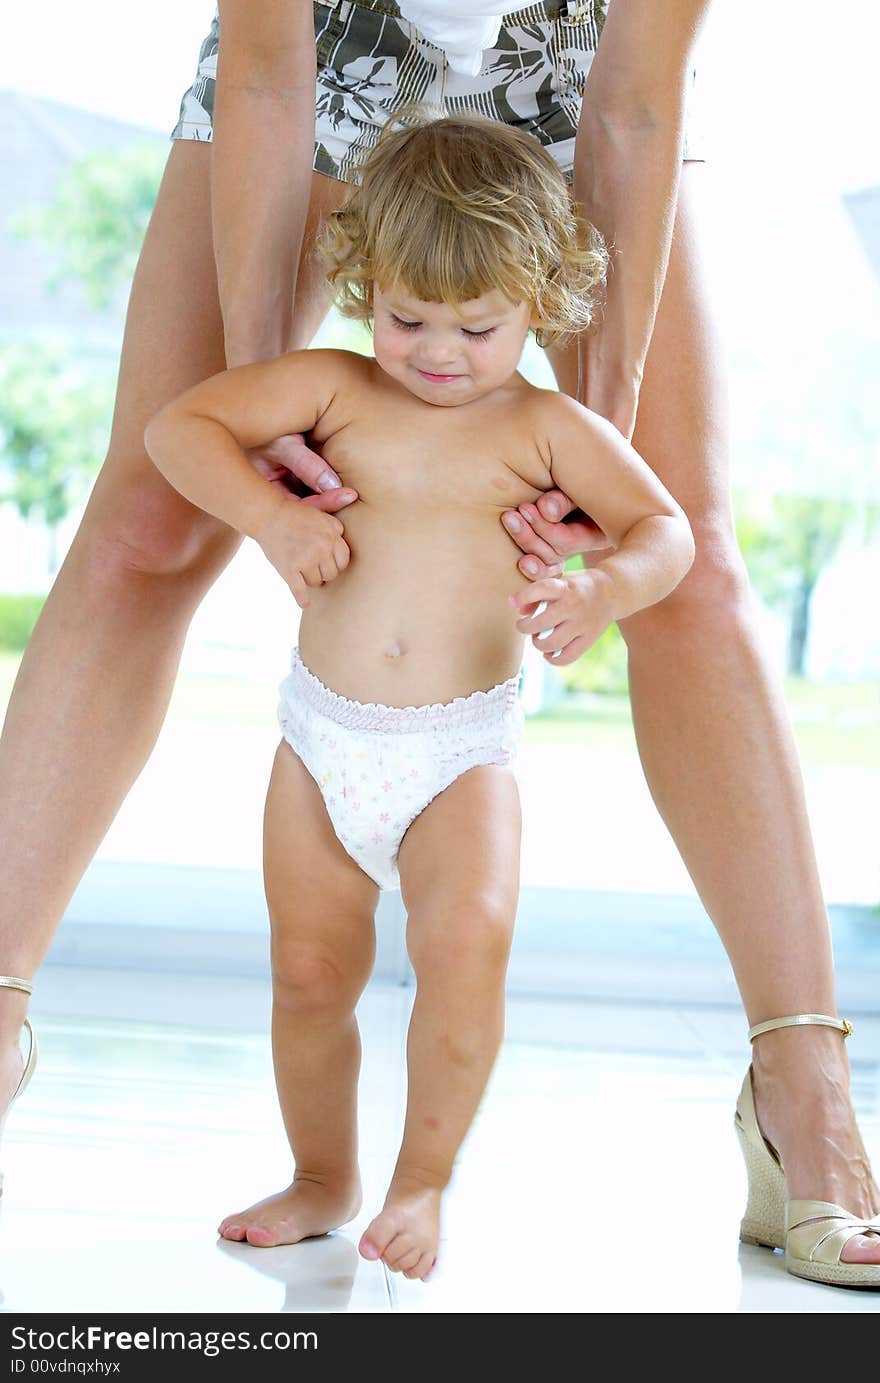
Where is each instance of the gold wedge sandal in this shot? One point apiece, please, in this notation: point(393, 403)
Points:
point(812, 1233)
point(12, 982)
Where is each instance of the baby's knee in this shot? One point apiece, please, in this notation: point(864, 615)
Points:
point(313, 979)
point(469, 941)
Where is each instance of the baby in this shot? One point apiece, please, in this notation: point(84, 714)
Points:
point(400, 716)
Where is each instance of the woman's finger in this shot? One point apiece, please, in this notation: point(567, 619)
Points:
point(536, 570)
point(305, 464)
point(554, 505)
point(332, 500)
point(524, 536)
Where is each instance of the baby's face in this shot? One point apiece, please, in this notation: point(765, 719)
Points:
point(449, 355)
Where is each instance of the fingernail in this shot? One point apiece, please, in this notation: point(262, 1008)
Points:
point(512, 523)
point(328, 481)
point(530, 567)
point(369, 1250)
point(552, 510)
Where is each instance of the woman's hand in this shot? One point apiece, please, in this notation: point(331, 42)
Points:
point(289, 460)
point(547, 541)
point(565, 615)
point(305, 546)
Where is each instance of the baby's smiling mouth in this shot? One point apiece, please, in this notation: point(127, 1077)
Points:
point(430, 374)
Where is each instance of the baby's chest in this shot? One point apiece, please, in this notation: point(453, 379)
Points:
point(464, 470)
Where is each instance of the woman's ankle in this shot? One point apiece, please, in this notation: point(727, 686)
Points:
point(13, 1011)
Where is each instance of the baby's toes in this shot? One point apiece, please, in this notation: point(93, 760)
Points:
point(377, 1236)
point(401, 1246)
point(231, 1229)
point(421, 1269)
point(407, 1258)
point(261, 1237)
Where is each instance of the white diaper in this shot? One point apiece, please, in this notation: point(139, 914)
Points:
point(378, 767)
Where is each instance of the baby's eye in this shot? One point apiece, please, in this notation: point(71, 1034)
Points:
point(407, 326)
point(478, 335)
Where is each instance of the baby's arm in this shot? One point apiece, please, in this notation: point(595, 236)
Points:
point(654, 546)
point(199, 440)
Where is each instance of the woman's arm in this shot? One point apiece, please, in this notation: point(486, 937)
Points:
point(627, 165)
point(261, 169)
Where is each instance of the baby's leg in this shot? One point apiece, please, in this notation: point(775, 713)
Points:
point(321, 905)
point(459, 873)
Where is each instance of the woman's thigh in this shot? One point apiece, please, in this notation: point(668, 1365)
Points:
point(173, 339)
point(682, 424)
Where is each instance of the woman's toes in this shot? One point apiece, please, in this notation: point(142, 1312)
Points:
point(862, 1248)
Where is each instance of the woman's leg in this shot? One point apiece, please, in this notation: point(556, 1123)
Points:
point(97, 675)
point(321, 905)
point(719, 755)
point(459, 874)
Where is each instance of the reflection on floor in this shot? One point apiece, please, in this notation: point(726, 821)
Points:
point(601, 1176)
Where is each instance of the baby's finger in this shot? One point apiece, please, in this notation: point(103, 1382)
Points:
point(342, 554)
point(569, 653)
point(541, 621)
point(298, 589)
point(552, 640)
point(550, 589)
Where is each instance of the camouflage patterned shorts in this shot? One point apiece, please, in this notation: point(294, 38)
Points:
point(371, 61)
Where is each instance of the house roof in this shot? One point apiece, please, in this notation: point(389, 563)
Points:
point(39, 140)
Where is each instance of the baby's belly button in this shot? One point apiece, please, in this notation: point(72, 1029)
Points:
point(394, 650)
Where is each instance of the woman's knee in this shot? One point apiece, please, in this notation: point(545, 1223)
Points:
point(716, 589)
point(468, 941)
point(313, 978)
point(137, 523)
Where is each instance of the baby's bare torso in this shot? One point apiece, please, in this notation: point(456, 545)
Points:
point(421, 613)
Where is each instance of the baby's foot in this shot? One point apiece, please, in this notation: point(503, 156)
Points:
point(406, 1234)
point(307, 1207)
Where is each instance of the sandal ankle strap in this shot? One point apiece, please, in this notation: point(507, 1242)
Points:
point(798, 1018)
point(13, 982)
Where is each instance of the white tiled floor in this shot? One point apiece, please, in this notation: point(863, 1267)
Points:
point(602, 1174)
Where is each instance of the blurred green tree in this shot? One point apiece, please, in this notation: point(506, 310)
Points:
point(98, 219)
point(787, 542)
point(54, 426)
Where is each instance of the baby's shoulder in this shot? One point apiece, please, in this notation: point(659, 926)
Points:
point(332, 362)
point(564, 423)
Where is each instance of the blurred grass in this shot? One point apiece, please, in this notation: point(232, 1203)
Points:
point(835, 722)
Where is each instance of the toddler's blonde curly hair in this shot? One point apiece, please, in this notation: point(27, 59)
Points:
point(449, 209)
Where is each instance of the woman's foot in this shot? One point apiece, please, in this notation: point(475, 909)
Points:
point(804, 1109)
point(309, 1206)
point(406, 1234)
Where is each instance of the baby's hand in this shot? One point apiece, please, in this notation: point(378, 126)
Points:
point(565, 614)
point(304, 545)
